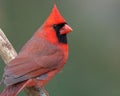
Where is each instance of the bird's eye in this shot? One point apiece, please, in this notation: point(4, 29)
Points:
point(55, 25)
point(58, 26)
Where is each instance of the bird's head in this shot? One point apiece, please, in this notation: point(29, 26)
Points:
point(55, 27)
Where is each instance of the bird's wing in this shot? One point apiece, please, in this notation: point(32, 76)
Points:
point(21, 69)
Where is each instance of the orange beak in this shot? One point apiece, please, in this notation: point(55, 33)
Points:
point(65, 29)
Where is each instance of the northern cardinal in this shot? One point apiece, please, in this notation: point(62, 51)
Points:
point(40, 58)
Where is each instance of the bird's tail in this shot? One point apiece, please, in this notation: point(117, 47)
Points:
point(13, 90)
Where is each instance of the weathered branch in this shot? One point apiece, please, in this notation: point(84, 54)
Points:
point(7, 52)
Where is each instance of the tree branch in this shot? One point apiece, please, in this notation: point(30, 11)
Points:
point(7, 52)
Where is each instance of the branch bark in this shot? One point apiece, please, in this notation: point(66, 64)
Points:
point(7, 53)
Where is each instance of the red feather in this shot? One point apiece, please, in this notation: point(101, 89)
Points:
point(40, 58)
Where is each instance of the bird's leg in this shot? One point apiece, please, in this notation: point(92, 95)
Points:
point(36, 91)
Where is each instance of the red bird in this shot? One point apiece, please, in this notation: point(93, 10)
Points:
point(40, 58)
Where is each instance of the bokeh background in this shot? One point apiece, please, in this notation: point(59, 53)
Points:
point(93, 67)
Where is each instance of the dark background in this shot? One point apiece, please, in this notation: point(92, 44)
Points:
point(93, 67)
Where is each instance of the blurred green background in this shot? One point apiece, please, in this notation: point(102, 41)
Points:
point(93, 67)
